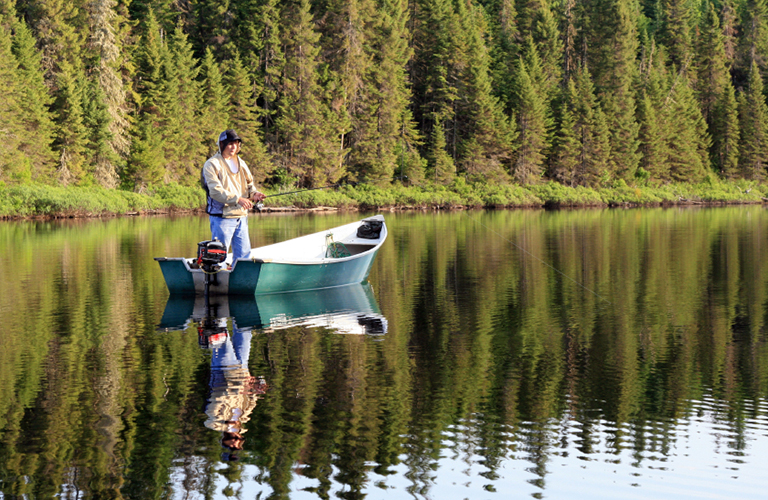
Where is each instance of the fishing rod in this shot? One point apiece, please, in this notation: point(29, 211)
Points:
point(258, 206)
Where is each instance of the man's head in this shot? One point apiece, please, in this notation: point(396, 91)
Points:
point(227, 137)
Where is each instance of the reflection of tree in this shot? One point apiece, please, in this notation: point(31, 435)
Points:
point(488, 352)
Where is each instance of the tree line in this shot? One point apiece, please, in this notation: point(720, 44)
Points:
point(133, 93)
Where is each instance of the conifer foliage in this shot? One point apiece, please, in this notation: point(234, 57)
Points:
point(133, 94)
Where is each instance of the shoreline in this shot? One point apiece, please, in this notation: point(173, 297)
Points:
point(395, 208)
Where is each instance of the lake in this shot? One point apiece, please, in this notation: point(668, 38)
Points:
point(591, 354)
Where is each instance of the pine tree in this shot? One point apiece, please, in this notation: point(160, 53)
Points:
point(11, 160)
point(108, 35)
point(71, 136)
point(653, 114)
point(100, 158)
point(34, 94)
point(180, 110)
point(753, 124)
point(243, 117)
point(265, 54)
point(435, 77)
point(754, 43)
point(591, 131)
point(653, 146)
point(399, 139)
point(687, 137)
point(677, 30)
point(565, 145)
point(485, 149)
point(146, 160)
point(725, 133)
point(214, 109)
point(712, 66)
point(441, 168)
point(311, 148)
point(533, 125)
point(717, 96)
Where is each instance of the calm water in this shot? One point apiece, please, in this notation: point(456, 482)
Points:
point(572, 354)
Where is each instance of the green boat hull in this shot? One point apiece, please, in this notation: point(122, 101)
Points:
point(303, 263)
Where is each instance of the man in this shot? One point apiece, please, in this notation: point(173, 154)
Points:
point(231, 194)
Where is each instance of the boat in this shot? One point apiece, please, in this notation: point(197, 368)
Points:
point(350, 309)
point(335, 257)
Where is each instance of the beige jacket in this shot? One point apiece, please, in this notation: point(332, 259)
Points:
point(224, 188)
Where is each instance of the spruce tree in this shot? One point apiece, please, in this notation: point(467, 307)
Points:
point(214, 27)
point(549, 45)
point(533, 126)
point(687, 137)
point(243, 117)
point(12, 166)
point(712, 65)
point(653, 114)
point(214, 108)
point(677, 31)
point(107, 39)
point(441, 168)
point(725, 133)
point(753, 125)
point(435, 77)
point(564, 159)
point(486, 135)
point(717, 96)
point(504, 35)
point(61, 28)
point(311, 146)
point(38, 123)
point(265, 55)
point(100, 157)
point(397, 147)
point(71, 136)
point(653, 147)
point(348, 37)
point(146, 162)
point(180, 110)
point(591, 130)
point(754, 42)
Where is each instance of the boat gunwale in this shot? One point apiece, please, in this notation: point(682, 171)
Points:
point(320, 261)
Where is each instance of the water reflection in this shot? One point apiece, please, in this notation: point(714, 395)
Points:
point(233, 390)
point(495, 374)
point(349, 309)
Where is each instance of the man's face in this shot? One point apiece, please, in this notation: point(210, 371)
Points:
point(231, 149)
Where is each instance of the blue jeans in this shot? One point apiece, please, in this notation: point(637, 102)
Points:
point(233, 232)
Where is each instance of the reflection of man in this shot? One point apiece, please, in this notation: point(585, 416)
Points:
point(234, 391)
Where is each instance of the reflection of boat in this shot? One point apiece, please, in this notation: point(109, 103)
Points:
point(335, 257)
point(346, 309)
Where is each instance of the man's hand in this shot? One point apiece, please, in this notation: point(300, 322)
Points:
point(245, 203)
point(257, 197)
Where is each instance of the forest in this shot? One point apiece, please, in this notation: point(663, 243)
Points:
point(132, 94)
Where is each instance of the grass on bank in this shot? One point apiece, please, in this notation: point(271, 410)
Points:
point(35, 200)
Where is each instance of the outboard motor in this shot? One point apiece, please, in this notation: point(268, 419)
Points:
point(210, 254)
point(211, 332)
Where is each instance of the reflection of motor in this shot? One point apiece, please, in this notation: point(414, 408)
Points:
point(211, 332)
point(210, 254)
